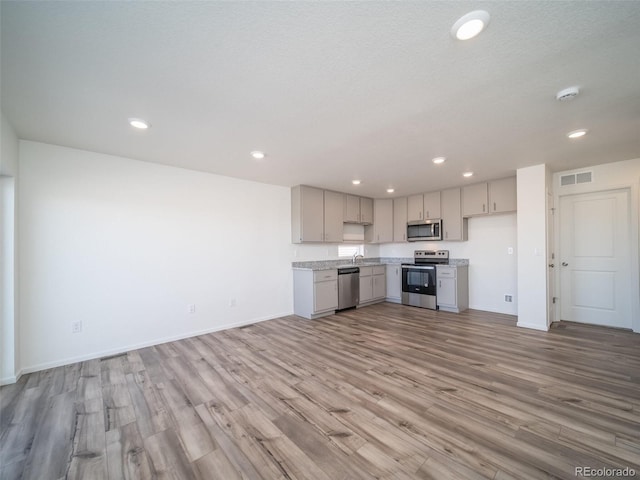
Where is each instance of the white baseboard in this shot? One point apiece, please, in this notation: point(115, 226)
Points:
point(150, 343)
point(10, 380)
point(533, 326)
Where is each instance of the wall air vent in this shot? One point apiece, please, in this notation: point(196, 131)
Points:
point(584, 177)
point(574, 178)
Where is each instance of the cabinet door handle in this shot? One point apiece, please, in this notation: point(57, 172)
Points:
point(494, 206)
point(483, 207)
point(439, 283)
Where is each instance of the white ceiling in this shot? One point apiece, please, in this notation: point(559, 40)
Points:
point(332, 91)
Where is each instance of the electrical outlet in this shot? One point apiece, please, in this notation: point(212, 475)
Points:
point(192, 308)
point(76, 327)
point(232, 302)
point(510, 250)
point(508, 298)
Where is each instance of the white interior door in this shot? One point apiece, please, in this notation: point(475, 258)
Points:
point(595, 258)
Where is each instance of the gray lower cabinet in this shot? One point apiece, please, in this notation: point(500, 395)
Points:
point(452, 291)
point(394, 283)
point(373, 284)
point(315, 293)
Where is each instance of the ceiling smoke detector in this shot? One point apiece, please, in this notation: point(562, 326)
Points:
point(567, 94)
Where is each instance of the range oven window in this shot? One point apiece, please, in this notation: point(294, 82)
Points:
point(421, 280)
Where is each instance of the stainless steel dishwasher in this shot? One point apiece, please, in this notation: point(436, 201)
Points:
point(348, 287)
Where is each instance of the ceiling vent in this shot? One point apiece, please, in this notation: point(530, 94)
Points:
point(575, 178)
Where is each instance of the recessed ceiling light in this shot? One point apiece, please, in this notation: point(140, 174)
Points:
point(355, 182)
point(470, 25)
point(438, 160)
point(577, 133)
point(390, 190)
point(467, 174)
point(258, 155)
point(139, 123)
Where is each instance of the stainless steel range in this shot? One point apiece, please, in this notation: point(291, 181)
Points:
point(419, 278)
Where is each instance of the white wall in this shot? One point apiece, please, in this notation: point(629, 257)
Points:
point(8, 148)
point(532, 247)
point(9, 326)
point(125, 246)
point(492, 270)
point(610, 176)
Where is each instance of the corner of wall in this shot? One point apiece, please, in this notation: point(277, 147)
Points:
point(9, 324)
point(532, 247)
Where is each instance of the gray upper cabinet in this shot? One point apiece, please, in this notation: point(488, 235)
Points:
point(415, 208)
point(496, 196)
point(423, 206)
point(358, 210)
point(316, 215)
point(333, 211)
point(366, 210)
point(307, 214)
point(475, 200)
point(351, 209)
point(502, 195)
point(454, 226)
point(432, 206)
point(382, 229)
point(400, 219)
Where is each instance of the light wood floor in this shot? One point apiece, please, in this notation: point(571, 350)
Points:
point(387, 391)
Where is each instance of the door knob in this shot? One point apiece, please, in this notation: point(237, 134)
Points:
point(565, 264)
point(551, 265)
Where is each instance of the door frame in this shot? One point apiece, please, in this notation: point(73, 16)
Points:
point(552, 285)
point(634, 211)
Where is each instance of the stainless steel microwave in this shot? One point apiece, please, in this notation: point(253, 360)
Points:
point(424, 230)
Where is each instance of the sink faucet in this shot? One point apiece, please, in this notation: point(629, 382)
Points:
point(355, 257)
